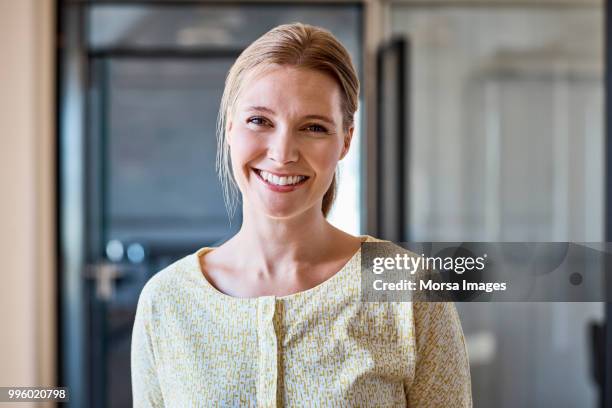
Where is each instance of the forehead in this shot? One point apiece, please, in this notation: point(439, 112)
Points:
point(291, 89)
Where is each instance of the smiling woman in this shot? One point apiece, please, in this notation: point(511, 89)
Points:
point(320, 72)
point(287, 122)
point(274, 316)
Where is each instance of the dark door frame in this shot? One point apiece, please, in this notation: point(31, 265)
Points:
point(607, 372)
point(71, 87)
point(392, 214)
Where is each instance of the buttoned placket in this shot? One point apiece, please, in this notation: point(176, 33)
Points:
point(266, 338)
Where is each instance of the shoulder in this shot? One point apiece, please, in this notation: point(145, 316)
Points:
point(388, 247)
point(370, 238)
point(167, 284)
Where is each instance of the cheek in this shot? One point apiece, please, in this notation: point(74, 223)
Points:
point(239, 154)
point(244, 148)
point(325, 157)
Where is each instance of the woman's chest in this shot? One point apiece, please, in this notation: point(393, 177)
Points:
point(351, 354)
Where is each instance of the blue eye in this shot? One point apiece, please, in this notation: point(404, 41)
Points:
point(256, 120)
point(317, 128)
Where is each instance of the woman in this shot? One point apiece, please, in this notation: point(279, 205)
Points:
point(273, 317)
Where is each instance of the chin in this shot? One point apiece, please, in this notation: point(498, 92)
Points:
point(281, 211)
point(278, 213)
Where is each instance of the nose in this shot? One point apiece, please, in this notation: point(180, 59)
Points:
point(283, 147)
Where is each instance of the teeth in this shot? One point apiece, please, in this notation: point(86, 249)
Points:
point(280, 181)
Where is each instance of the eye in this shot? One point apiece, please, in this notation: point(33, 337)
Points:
point(316, 128)
point(257, 120)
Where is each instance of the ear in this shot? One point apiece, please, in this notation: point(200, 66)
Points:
point(347, 142)
point(228, 132)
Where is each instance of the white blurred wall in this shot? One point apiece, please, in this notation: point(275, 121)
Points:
point(27, 287)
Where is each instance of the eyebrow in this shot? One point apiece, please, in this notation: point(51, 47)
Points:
point(270, 111)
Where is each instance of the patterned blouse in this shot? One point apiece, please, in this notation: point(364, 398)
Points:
point(193, 346)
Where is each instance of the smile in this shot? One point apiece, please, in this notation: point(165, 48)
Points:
point(280, 183)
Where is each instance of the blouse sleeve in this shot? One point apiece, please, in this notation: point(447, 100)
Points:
point(146, 391)
point(442, 373)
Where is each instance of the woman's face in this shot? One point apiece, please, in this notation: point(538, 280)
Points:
point(286, 138)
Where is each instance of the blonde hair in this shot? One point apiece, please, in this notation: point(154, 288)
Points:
point(297, 45)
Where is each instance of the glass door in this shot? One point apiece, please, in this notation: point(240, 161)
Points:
point(153, 192)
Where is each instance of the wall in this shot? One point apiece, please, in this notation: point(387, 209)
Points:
point(27, 284)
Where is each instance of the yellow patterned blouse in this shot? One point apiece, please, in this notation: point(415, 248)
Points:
point(193, 346)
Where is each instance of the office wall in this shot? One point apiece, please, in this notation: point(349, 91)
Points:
point(27, 284)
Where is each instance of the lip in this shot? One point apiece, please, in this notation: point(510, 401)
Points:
point(279, 189)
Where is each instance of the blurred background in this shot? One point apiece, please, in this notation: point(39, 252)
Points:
point(479, 120)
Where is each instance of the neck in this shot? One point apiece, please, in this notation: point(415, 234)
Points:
point(275, 246)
